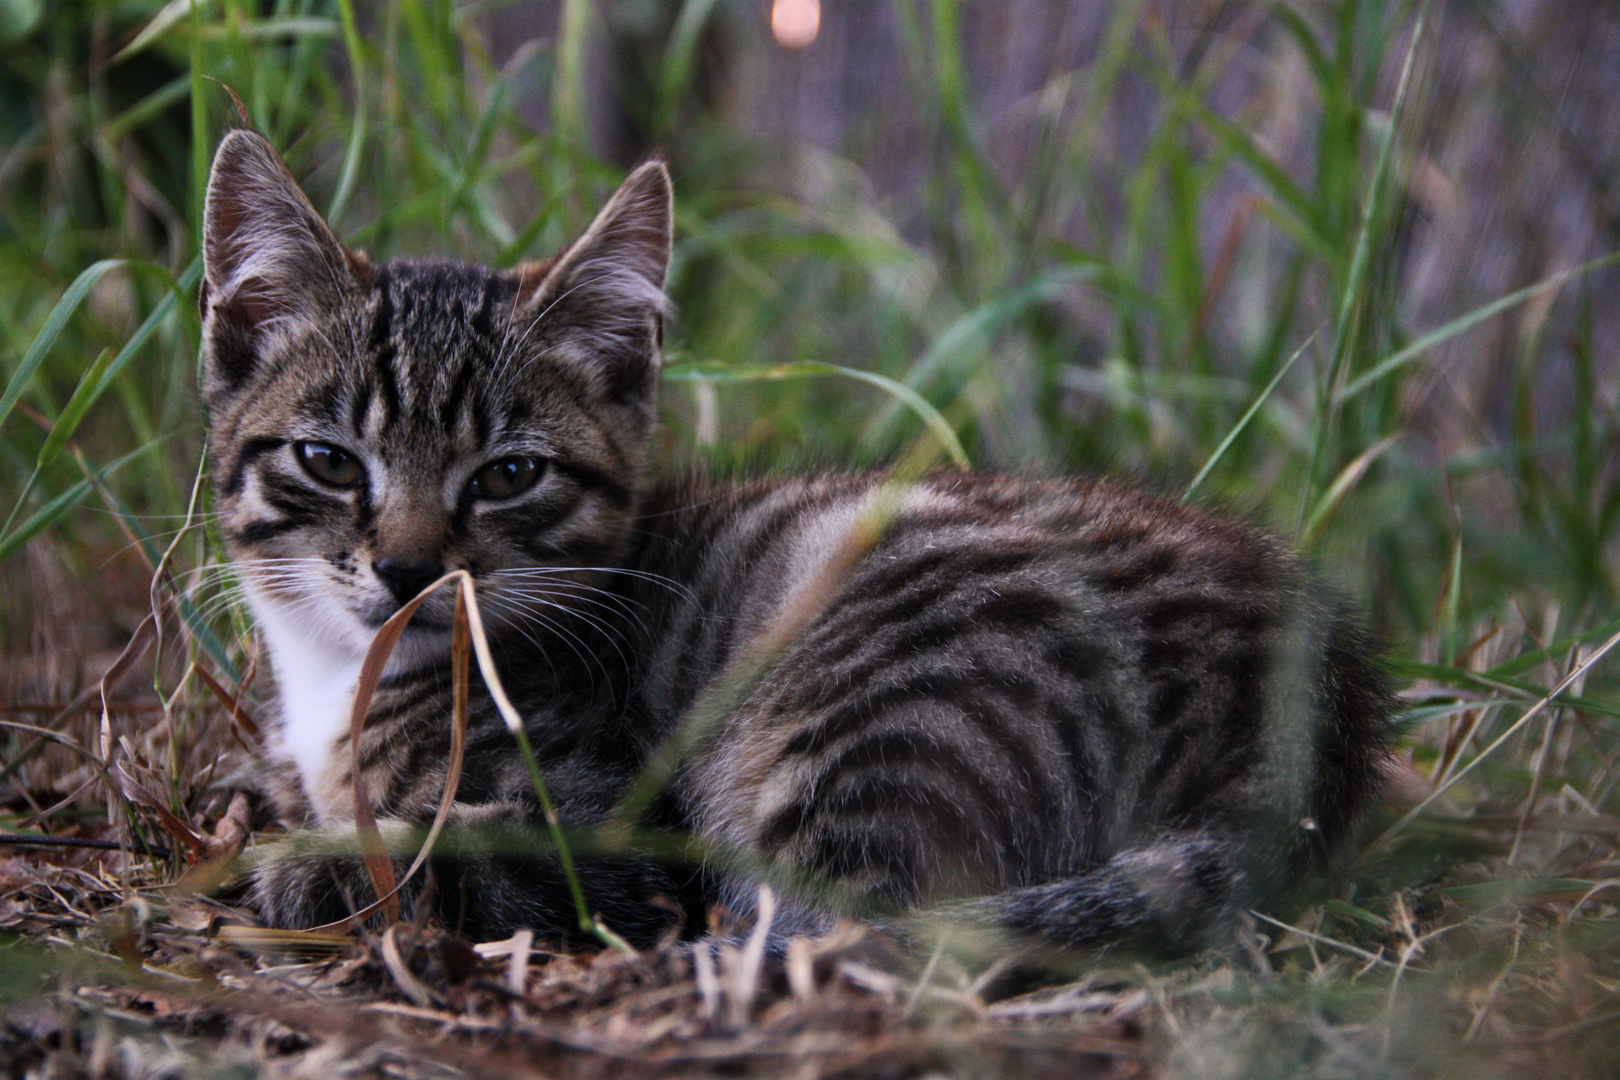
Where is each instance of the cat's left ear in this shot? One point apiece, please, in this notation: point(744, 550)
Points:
point(604, 295)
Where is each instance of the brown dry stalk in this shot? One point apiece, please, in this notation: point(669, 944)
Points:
point(132, 791)
point(240, 717)
point(144, 635)
point(404, 978)
point(466, 635)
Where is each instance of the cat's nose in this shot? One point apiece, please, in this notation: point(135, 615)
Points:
point(406, 579)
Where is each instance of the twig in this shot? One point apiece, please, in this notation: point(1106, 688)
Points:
point(517, 974)
point(378, 861)
point(708, 983)
point(923, 980)
point(1496, 984)
point(404, 978)
point(801, 971)
point(14, 840)
point(745, 984)
point(1542, 757)
point(82, 702)
point(57, 807)
point(1363, 954)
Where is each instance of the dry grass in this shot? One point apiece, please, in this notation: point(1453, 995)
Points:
point(134, 980)
point(421, 1003)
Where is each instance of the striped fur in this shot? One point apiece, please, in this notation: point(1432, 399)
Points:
point(1059, 706)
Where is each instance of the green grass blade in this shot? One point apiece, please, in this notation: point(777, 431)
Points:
point(96, 380)
point(51, 512)
point(525, 239)
point(1413, 717)
point(1243, 421)
point(1342, 485)
point(84, 396)
point(91, 388)
point(676, 73)
point(178, 290)
point(350, 172)
point(1512, 729)
point(1374, 204)
point(1447, 630)
point(977, 325)
point(1463, 323)
point(983, 200)
point(478, 152)
point(1534, 658)
point(147, 108)
point(1518, 688)
point(568, 86)
point(431, 66)
point(154, 555)
point(565, 855)
point(800, 369)
point(1344, 328)
point(955, 346)
point(64, 309)
point(1241, 145)
point(167, 16)
point(199, 127)
point(914, 401)
point(273, 29)
point(1305, 38)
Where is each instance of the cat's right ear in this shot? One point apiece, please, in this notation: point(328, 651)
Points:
point(268, 257)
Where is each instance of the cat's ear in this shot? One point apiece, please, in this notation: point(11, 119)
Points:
point(604, 295)
point(267, 256)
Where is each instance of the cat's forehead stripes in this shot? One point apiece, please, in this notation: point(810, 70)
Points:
point(435, 337)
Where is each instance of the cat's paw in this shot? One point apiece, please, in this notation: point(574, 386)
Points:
point(312, 878)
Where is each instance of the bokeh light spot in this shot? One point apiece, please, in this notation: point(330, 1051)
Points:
point(795, 23)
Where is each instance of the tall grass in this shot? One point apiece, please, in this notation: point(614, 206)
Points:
point(1274, 373)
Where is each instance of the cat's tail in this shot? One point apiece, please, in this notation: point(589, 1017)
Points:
point(1176, 896)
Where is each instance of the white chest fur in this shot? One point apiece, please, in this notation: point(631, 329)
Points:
point(315, 681)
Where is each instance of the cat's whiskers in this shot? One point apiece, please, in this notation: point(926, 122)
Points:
point(613, 616)
point(231, 580)
point(551, 574)
point(626, 604)
point(605, 610)
point(615, 635)
point(643, 575)
point(534, 324)
point(540, 650)
point(577, 644)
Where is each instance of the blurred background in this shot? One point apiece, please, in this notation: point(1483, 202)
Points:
point(1342, 266)
point(1088, 234)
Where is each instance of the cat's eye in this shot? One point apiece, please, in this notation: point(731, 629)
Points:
point(329, 464)
point(506, 477)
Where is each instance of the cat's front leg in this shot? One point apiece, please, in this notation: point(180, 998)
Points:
point(492, 870)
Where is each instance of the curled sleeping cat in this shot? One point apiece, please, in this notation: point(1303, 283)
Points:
point(1059, 706)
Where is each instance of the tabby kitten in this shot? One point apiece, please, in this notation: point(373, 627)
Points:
point(1057, 705)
